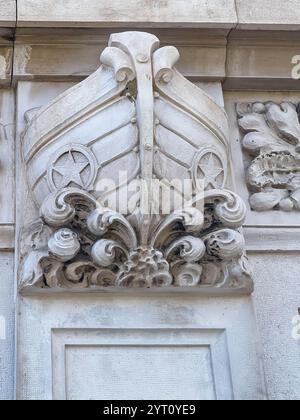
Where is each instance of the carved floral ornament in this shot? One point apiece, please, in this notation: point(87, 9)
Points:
point(136, 113)
point(272, 144)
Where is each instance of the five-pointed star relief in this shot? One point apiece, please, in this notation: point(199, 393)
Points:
point(71, 171)
point(211, 172)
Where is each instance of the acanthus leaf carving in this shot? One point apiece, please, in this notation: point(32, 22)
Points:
point(84, 255)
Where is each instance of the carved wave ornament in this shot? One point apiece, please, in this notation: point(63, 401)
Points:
point(137, 114)
point(272, 142)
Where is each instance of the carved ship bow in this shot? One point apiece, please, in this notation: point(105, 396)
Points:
point(137, 114)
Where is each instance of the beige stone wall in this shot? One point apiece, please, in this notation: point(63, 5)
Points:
point(245, 47)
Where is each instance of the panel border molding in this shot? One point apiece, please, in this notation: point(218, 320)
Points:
point(215, 339)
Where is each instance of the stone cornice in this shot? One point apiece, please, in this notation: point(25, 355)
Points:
point(231, 41)
point(272, 239)
point(224, 14)
point(116, 13)
point(8, 13)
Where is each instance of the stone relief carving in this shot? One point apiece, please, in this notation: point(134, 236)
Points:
point(137, 114)
point(78, 243)
point(272, 144)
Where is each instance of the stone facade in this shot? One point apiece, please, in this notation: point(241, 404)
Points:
point(208, 291)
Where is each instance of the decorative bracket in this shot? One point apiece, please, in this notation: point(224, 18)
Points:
point(136, 112)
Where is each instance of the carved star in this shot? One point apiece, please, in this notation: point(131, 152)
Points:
point(211, 172)
point(71, 171)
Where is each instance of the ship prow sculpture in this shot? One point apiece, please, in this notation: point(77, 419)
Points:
point(139, 117)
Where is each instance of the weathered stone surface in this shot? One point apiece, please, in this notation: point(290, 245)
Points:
point(272, 239)
point(7, 317)
point(203, 53)
point(219, 335)
point(261, 60)
point(249, 61)
point(78, 233)
point(7, 237)
point(6, 58)
point(256, 218)
point(268, 14)
point(130, 326)
point(7, 13)
point(97, 13)
point(7, 153)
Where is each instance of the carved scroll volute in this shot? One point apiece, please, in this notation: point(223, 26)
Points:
point(164, 61)
point(120, 62)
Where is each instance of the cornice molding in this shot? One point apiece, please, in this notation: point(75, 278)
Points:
point(7, 237)
point(272, 239)
point(8, 13)
point(216, 14)
point(138, 101)
point(116, 13)
point(241, 60)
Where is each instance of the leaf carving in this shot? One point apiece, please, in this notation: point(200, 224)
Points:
point(272, 143)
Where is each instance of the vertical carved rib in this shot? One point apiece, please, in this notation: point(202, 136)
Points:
point(140, 46)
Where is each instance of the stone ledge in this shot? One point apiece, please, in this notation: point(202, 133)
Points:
point(261, 60)
point(268, 14)
point(226, 14)
point(7, 237)
point(203, 52)
point(158, 291)
point(251, 57)
point(6, 56)
point(7, 13)
point(114, 13)
point(272, 239)
point(229, 14)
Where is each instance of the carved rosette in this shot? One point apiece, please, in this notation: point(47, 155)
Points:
point(272, 147)
point(137, 111)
